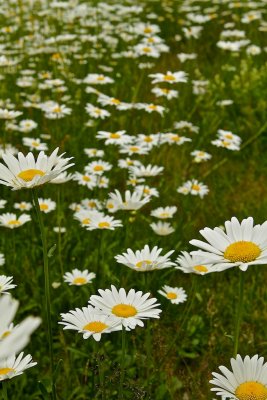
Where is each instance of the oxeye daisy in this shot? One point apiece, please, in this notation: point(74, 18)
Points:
point(100, 221)
point(11, 221)
point(26, 172)
point(189, 263)
point(162, 228)
point(174, 294)
point(6, 284)
point(90, 322)
point(145, 259)
point(46, 205)
point(242, 245)
point(246, 381)
point(14, 366)
point(79, 278)
point(131, 201)
point(129, 308)
point(164, 212)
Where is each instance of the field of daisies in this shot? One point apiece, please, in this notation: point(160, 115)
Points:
point(133, 199)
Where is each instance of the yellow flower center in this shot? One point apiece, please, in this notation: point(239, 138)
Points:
point(196, 187)
point(172, 296)
point(95, 326)
point(242, 251)
point(98, 168)
point(115, 101)
point(115, 136)
point(92, 204)
point(152, 107)
point(165, 91)
point(176, 138)
point(146, 191)
point(169, 77)
point(164, 215)
point(143, 263)
point(57, 109)
point(147, 30)
point(104, 225)
point(86, 178)
point(5, 334)
point(4, 371)
point(148, 139)
point(134, 149)
point(100, 78)
point(29, 174)
point(251, 390)
point(80, 280)
point(200, 268)
point(124, 310)
point(43, 207)
point(86, 221)
point(35, 144)
point(14, 222)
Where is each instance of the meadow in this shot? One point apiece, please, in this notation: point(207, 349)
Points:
point(158, 110)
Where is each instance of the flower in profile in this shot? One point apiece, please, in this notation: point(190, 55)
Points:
point(129, 308)
point(162, 228)
point(189, 264)
point(100, 221)
point(11, 221)
point(132, 201)
point(145, 259)
point(164, 212)
point(6, 284)
point(15, 340)
point(241, 246)
point(174, 294)
point(14, 366)
point(170, 77)
point(90, 322)
point(246, 381)
point(79, 278)
point(25, 172)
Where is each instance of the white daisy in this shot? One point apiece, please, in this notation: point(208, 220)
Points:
point(162, 228)
point(129, 308)
point(170, 77)
point(79, 278)
point(10, 220)
point(6, 284)
point(174, 294)
point(246, 381)
point(242, 245)
point(132, 201)
point(46, 205)
point(90, 322)
point(189, 263)
point(25, 172)
point(148, 170)
point(100, 221)
point(23, 206)
point(2, 259)
point(164, 212)
point(14, 366)
point(2, 203)
point(145, 259)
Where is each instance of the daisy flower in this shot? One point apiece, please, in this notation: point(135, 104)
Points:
point(163, 92)
point(97, 79)
point(200, 156)
point(85, 216)
point(14, 366)
point(246, 381)
point(90, 322)
point(46, 205)
point(10, 220)
point(117, 137)
point(23, 206)
point(174, 138)
point(186, 126)
point(9, 114)
point(94, 152)
point(145, 259)
point(25, 172)
point(147, 191)
point(128, 308)
point(18, 338)
point(164, 212)
point(131, 149)
point(98, 167)
point(162, 228)
point(91, 204)
point(241, 246)
point(174, 294)
point(63, 178)
point(100, 221)
point(170, 77)
point(85, 179)
point(34, 144)
point(193, 187)
point(189, 263)
point(96, 112)
point(79, 278)
point(150, 108)
point(6, 284)
point(131, 201)
point(148, 170)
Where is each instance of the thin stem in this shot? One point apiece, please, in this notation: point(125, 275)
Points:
point(59, 230)
point(123, 342)
point(4, 390)
point(47, 289)
point(239, 312)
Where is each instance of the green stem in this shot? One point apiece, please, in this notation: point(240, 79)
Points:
point(4, 390)
point(123, 342)
point(47, 289)
point(239, 312)
point(59, 231)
